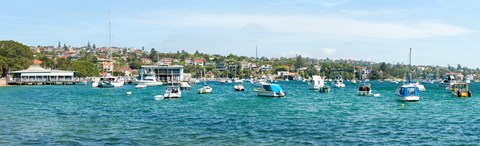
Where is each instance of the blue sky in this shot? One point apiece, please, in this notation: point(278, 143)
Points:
point(440, 32)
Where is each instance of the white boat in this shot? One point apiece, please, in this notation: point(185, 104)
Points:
point(172, 92)
point(229, 81)
point(353, 81)
point(108, 81)
point(185, 86)
point(239, 85)
point(408, 92)
point(364, 89)
point(271, 90)
point(338, 82)
point(147, 79)
point(205, 89)
point(316, 83)
point(419, 86)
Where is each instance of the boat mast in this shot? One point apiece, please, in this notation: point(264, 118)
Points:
point(204, 77)
point(410, 66)
point(109, 42)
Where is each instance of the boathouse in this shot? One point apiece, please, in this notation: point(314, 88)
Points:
point(36, 75)
point(165, 73)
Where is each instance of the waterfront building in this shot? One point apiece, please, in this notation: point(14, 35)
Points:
point(165, 73)
point(36, 75)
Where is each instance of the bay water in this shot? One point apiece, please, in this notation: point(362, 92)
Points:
point(82, 115)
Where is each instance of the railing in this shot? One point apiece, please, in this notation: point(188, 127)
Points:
point(15, 80)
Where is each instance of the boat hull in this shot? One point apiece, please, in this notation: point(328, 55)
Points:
point(270, 94)
point(364, 93)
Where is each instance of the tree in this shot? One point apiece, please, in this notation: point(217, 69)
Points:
point(14, 56)
point(89, 46)
point(153, 55)
point(137, 64)
point(65, 47)
point(85, 68)
point(94, 47)
point(59, 45)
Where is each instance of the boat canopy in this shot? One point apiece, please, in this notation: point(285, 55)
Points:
point(273, 88)
point(409, 91)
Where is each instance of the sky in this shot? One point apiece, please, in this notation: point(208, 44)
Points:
point(440, 32)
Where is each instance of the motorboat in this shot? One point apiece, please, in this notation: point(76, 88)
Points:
point(239, 85)
point(258, 85)
point(147, 79)
point(172, 92)
point(316, 83)
point(108, 81)
point(271, 90)
point(408, 92)
point(338, 82)
point(461, 90)
point(185, 86)
point(364, 89)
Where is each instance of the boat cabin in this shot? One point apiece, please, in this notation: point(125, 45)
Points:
point(408, 91)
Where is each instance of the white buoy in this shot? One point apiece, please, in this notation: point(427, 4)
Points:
point(128, 93)
point(158, 97)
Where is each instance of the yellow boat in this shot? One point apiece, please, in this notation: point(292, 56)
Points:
point(461, 90)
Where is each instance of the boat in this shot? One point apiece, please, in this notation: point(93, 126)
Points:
point(222, 81)
point(316, 83)
point(419, 86)
point(338, 82)
point(324, 89)
point(461, 90)
point(239, 85)
point(271, 90)
point(172, 91)
point(354, 81)
point(364, 89)
point(141, 86)
point(148, 79)
point(108, 81)
point(185, 86)
point(258, 84)
point(205, 89)
point(409, 91)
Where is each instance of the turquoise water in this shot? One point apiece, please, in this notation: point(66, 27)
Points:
point(79, 114)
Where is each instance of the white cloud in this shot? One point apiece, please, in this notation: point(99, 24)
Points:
point(329, 51)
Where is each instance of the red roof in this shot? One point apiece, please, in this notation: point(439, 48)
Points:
point(37, 62)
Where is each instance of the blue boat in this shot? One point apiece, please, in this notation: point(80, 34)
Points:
point(271, 90)
point(408, 92)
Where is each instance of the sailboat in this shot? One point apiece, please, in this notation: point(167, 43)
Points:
point(172, 91)
point(354, 81)
point(205, 89)
point(107, 80)
point(408, 92)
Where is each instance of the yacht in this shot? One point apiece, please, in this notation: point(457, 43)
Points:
point(239, 85)
point(409, 91)
point(316, 83)
point(108, 81)
point(419, 86)
point(147, 79)
point(205, 89)
point(271, 90)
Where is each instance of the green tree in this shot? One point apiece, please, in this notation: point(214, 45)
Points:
point(153, 55)
point(14, 56)
point(137, 64)
point(85, 68)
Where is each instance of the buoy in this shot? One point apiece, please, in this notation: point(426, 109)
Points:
point(403, 105)
point(128, 93)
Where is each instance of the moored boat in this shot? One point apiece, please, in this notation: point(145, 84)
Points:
point(239, 85)
point(271, 90)
point(461, 90)
point(364, 89)
point(316, 83)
